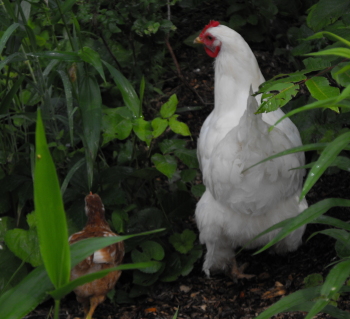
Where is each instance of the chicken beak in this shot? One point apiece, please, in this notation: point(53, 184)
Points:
point(198, 40)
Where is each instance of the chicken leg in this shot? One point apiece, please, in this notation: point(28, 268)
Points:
point(238, 272)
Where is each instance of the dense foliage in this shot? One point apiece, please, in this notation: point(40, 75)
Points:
point(91, 67)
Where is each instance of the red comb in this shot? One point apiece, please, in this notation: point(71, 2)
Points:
point(211, 24)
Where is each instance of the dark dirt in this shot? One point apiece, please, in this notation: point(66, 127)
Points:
point(219, 297)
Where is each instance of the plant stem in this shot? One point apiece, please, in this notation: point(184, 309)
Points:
point(57, 309)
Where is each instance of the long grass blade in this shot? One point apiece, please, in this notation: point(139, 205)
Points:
point(70, 174)
point(327, 157)
point(6, 35)
point(5, 104)
point(51, 218)
point(130, 97)
point(90, 104)
point(305, 217)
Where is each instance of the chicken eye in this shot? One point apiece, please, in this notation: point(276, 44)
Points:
point(209, 37)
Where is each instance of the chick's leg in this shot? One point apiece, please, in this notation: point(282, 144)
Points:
point(94, 302)
point(238, 272)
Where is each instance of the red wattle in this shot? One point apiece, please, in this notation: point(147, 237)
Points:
point(212, 54)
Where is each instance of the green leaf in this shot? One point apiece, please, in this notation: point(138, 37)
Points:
point(168, 146)
point(57, 55)
point(70, 174)
point(188, 157)
point(90, 104)
point(307, 216)
point(341, 73)
point(24, 243)
point(159, 125)
point(313, 280)
point(68, 90)
point(7, 100)
point(49, 210)
point(143, 130)
point(130, 97)
point(320, 89)
point(326, 158)
point(92, 57)
point(12, 270)
point(115, 125)
point(286, 92)
point(342, 52)
point(331, 286)
point(169, 107)
point(291, 300)
point(183, 242)
point(188, 175)
point(179, 127)
point(198, 190)
point(150, 250)
point(6, 35)
point(166, 164)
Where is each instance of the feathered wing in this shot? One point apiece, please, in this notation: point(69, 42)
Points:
point(257, 190)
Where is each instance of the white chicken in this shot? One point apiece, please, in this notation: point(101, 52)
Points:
point(238, 205)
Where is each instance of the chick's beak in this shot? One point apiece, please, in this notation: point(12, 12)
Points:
point(198, 40)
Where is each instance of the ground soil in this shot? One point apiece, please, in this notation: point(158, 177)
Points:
point(196, 296)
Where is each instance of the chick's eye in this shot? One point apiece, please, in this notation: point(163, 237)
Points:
point(209, 37)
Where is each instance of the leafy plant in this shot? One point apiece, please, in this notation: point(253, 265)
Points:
point(331, 91)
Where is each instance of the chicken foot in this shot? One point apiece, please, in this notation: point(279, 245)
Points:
point(238, 272)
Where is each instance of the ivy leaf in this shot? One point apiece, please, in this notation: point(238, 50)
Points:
point(150, 251)
point(168, 146)
point(159, 125)
point(188, 175)
point(178, 127)
point(166, 164)
point(115, 125)
point(320, 89)
point(25, 243)
point(341, 73)
point(143, 130)
point(183, 242)
point(169, 108)
point(188, 157)
point(198, 190)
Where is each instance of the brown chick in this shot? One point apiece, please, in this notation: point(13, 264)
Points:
point(91, 294)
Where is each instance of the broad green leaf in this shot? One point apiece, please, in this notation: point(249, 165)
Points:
point(168, 146)
point(150, 250)
point(325, 12)
point(198, 190)
point(289, 301)
point(115, 124)
point(144, 279)
point(335, 279)
point(326, 158)
point(166, 164)
point(169, 107)
point(7, 34)
point(307, 216)
point(188, 175)
point(6, 223)
point(92, 57)
point(143, 130)
point(183, 242)
point(130, 97)
point(286, 92)
point(90, 104)
point(320, 89)
point(24, 243)
point(313, 280)
point(159, 125)
point(178, 127)
point(341, 73)
point(49, 210)
point(31, 294)
point(188, 157)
